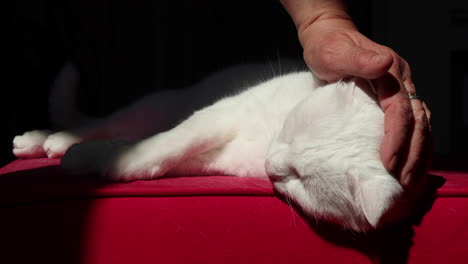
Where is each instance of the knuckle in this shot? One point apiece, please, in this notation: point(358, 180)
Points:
point(403, 68)
point(426, 109)
point(400, 67)
point(406, 109)
point(420, 118)
point(324, 65)
point(396, 57)
point(403, 63)
point(327, 58)
point(405, 112)
point(405, 104)
point(388, 50)
point(428, 114)
point(406, 72)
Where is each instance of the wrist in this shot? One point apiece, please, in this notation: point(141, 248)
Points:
point(307, 13)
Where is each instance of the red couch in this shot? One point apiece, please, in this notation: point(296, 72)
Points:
point(50, 217)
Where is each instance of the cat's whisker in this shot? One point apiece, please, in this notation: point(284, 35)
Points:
point(293, 213)
point(279, 62)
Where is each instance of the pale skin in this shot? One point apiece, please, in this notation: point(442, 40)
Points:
point(335, 49)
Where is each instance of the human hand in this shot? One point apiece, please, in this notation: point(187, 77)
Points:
point(334, 49)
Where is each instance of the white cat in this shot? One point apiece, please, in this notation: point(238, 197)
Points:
point(318, 143)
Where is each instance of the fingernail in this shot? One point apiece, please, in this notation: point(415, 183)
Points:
point(393, 163)
point(377, 59)
point(406, 179)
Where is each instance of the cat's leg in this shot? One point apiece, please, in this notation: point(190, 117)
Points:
point(205, 130)
point(149, 115)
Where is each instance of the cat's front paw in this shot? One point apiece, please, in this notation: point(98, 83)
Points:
point(30, 144)
point(43, 143)
point(58, 143)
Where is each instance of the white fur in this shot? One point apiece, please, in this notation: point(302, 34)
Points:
point(319, 144)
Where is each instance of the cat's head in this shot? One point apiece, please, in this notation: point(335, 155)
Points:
point(327, 160)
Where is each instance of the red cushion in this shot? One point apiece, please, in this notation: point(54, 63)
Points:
point(49, 216)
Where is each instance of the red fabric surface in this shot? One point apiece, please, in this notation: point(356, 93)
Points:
point(48, 216)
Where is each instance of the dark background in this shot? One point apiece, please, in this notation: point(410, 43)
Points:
point(125, 49)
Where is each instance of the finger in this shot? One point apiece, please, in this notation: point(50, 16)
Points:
point(417, 155)
point(398, 120)
point(429, 136)
point(428, 115)
point(416, 160)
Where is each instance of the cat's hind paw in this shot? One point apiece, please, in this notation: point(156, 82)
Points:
point(30, 144)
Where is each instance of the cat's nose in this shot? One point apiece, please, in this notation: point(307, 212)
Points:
point(275, 178)
point(273, 167)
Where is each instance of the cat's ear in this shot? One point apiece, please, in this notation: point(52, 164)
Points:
point(377, 196)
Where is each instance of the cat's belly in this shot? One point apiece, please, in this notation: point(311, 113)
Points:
point(239, 157)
